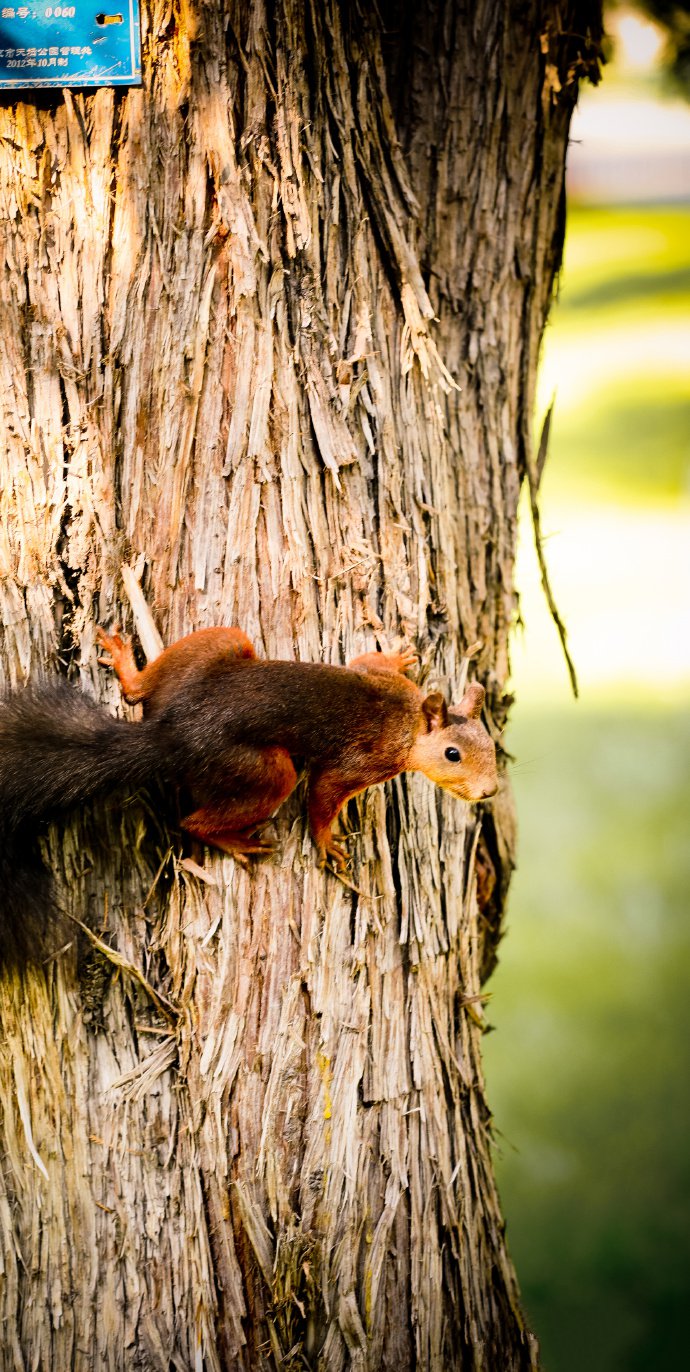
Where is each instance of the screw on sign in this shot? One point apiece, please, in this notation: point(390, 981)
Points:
point(69, 45)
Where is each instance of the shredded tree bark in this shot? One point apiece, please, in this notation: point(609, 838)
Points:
point(272, 323)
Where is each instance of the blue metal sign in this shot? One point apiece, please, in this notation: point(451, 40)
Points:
point(88, 43)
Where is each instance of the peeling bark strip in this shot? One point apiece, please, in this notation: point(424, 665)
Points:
point(236, 306)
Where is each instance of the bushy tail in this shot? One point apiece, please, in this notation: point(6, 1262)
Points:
point(57, 748)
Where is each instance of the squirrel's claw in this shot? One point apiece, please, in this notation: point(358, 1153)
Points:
point(111, 642)
point(242, 848)
point(408, 658)
point(336, 852)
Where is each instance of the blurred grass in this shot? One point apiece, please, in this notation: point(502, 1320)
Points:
point(641, 449)
point(611, 246)
point(588, 1073)
point(618, 357)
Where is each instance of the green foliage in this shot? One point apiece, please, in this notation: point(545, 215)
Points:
point(674, 17)
point(588, 1071)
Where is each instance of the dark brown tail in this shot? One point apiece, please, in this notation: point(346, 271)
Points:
point(57, 748)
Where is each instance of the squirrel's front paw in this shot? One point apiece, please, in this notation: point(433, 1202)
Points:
point(407, 658)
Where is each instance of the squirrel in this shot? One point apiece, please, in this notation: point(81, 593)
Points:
point(233, 730)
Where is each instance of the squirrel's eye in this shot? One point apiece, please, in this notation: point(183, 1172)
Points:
point(452, 754)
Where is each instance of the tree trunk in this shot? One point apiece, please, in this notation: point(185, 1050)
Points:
point(237, 304)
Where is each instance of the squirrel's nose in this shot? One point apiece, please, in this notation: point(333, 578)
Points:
point(491, 792)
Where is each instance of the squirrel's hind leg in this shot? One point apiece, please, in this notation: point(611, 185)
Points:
point(263, 781)
point(235, 642)
point(121, 658)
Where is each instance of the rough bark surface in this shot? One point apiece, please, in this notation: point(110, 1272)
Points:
point(235, 307)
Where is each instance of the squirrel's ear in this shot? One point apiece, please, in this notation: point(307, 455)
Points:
point(471, 704)
point(435, 711)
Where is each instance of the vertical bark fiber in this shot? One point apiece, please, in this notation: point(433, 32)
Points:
point(236, 304)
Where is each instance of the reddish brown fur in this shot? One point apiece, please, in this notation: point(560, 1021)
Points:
point(352, 727)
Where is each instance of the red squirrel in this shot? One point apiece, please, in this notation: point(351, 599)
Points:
point(233, 730)
point(351, 727)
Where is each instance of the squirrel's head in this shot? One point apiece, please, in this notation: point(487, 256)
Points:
point(453, 748)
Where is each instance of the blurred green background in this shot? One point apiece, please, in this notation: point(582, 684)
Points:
point(589, 1067)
